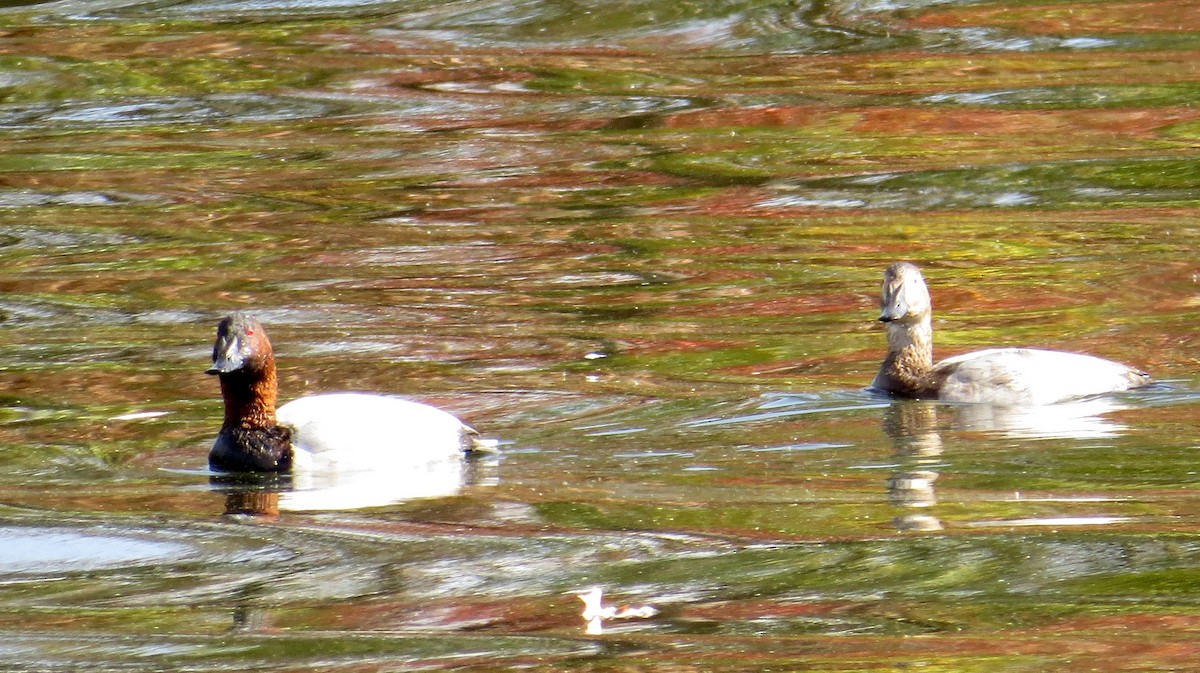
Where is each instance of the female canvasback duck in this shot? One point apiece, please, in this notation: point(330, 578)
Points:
point(1000, 376)
point(338, 431)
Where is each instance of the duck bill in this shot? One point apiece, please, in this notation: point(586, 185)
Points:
point(226, 359)
point(893, 311)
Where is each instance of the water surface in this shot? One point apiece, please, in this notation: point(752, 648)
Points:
point(640, 245)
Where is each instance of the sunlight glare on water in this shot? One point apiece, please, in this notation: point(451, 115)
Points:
point(50, 550)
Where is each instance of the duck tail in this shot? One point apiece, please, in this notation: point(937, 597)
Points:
point(473, 443)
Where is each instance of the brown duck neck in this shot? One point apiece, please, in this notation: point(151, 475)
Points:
point(251, 439)
point(250, 396)
point(908, 368)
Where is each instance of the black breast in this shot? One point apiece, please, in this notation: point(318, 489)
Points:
point(252, 450)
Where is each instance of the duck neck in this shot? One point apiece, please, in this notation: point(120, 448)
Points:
point(251, 439)
point(908, 368)
point(250, 396)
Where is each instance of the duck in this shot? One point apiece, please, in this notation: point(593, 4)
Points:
point(322, 432)
point(996, 376)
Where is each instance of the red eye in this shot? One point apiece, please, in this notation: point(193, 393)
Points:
point(250, 331)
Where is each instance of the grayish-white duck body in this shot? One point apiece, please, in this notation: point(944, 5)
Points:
point(999, 376)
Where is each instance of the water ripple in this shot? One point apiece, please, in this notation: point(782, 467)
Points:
point(129, 112)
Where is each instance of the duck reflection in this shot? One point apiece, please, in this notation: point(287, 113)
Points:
point(912, 426)
point(1079, 419)
point(267, 494)
point(915, 430)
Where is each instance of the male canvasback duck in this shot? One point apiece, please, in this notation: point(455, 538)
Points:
point(1000, 376)
point(336, 431)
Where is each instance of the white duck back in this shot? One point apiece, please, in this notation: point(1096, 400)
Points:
point(1021, 376)
point(362, 431)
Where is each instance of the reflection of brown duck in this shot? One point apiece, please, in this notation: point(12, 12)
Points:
point(252, 503)
point(1003, 376)
point(250, 493)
